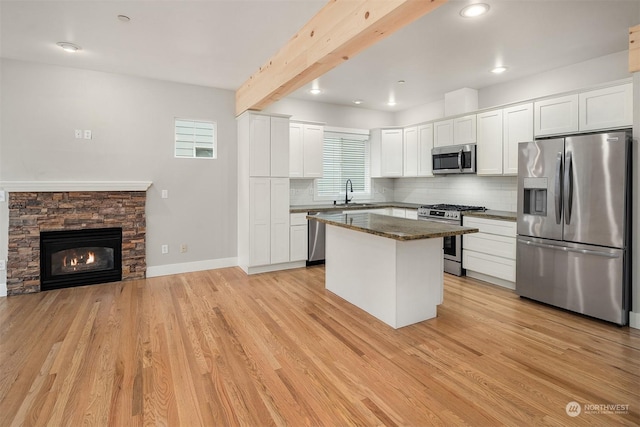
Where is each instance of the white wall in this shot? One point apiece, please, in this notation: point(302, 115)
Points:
point(422, 113)
point(331, 114)
point(132, 122)
point(573, 77)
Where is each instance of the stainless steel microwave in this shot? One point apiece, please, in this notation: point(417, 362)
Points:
point(452, 159)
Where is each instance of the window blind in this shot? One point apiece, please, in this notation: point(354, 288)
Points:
point(344, 156)
point(195, 139)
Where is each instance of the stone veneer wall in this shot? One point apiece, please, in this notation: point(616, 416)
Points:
point(33, 212)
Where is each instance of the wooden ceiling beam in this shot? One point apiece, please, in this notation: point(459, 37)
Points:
point(340, 30)
point(634, 49)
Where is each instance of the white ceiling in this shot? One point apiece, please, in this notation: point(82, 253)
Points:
point(220, 43)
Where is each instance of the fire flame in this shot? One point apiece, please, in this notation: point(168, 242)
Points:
point(90, 258)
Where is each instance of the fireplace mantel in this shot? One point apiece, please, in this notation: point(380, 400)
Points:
point(58, 186)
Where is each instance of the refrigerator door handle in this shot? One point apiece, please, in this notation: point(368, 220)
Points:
point(568, 189)
point(566, 249)
point(558, 188)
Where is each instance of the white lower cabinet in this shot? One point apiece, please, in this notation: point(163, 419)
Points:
point(490, 255)
point(268, 221)
point(298, 237)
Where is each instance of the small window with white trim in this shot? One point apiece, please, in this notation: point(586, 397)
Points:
point(195, 139)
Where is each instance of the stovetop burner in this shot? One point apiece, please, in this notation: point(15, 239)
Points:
point(449, 207)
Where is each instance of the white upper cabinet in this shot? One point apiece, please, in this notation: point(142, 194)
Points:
point(386, 152)
point(306, 144)
point(259, 145)
point(606, 108)
point(279, 152)
point(425, 144)
point(410, 164)
point(518, 127)
point(489, 150)
point(556, 116)
point(443, 133)
point(268, 146)
point(464, 130)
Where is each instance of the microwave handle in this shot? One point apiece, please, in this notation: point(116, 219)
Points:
point(460, 160)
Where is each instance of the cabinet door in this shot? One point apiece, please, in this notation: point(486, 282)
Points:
point(443, 133)
point(607, 108)
point(489, 150)
point(296, 156)
point(260, 146)
point(555, 116)
point(518, 127)
point(313, 144)
point(259, 221)
point(279, 153)
point(464, 130)
point(298, 243)
point(279, 220)
point(410, 149)
point(425, 144)
point(391, 151)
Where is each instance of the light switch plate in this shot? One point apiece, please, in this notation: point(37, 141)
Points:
point(2, 196)
point(2, 265)
point(165, 194)
point(78, 134)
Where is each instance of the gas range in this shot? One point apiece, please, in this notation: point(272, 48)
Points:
point(445, 211)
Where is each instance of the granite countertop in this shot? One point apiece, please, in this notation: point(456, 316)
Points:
point(329, 207)
point(490, 214)
point(391, 227)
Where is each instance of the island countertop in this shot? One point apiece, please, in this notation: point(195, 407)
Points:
point(391, 227)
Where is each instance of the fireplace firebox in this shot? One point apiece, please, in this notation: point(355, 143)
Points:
point(80, 257)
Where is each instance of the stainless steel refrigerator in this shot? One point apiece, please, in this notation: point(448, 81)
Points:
point(574, 223)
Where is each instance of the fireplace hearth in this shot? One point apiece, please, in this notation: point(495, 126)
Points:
point(80, 257)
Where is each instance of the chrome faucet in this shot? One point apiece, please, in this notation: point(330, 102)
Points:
point(346, 191)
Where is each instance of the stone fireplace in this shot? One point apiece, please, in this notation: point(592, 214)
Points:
point(35, 212)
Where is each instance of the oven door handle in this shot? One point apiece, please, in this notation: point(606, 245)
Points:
point(442, 221)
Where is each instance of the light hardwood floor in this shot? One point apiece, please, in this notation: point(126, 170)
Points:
point(220, 348)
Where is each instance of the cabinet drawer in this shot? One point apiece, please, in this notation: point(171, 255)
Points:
point(501, 268)
point(490, 244)
point(298, 219)
point(491, 226)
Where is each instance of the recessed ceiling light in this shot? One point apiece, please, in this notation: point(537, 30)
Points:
point(124, 18)
point(474, 10)
point(401, 82)
point(69, 47)
point(499, 70)
point(391, 103)
point(357, 101)
point(315, 91)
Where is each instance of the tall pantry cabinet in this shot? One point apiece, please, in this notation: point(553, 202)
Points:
point(263, 191)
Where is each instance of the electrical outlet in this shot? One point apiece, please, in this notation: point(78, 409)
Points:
point(183, 248)
point(165, 249)
point(87, 134)
point(78, 134)
point(2, 265)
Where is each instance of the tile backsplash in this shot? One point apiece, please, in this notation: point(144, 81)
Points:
point(493, 192)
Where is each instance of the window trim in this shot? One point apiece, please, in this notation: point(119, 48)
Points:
point(215, 138)
point(360, 196)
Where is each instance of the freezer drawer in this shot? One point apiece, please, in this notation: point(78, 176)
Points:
point(586, 279)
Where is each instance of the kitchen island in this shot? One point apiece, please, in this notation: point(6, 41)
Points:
point(390, 267)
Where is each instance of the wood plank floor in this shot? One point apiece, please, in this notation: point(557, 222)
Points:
point(219, 348)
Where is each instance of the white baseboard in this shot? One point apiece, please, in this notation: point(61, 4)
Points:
point(634, 320)
point(493, 280)
point(188, 267)
point(275, 267)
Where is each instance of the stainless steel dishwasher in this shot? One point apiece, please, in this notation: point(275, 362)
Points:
point(315, 250)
